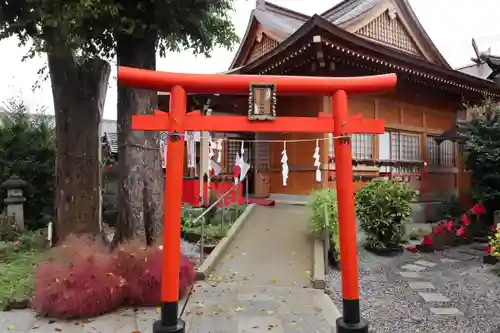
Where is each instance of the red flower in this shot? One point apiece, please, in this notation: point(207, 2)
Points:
point(461, 232)
point(437, 229)
point(427, 240)
point(494, 228)
point(110, 166)
point(449, 225)
point(465, 220)
point(489, 249)
point(478, 209)
point(412, 248)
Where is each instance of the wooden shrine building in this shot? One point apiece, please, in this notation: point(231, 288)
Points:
point(355, 38)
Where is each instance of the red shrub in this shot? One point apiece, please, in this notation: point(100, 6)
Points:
point(141, 268)
point(188, 275)
point(86, 280)
point(83, 287)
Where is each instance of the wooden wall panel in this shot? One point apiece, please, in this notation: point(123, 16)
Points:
point(363, 106)
point(401, 112)
point(441, 184)
point(389, 110)
point(301, 178)
point(436, 119)
point(412, 115)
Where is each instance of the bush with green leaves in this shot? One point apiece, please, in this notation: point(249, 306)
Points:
point(383, 206)
point(27, 150)
point(481, 134)
point(319, 224)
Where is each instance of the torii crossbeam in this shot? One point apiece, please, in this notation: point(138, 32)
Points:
point(177, 121)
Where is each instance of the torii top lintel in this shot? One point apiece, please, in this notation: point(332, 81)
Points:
point(179, 84)
point(223, 83)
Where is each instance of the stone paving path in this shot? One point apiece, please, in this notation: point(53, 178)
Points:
point(442, 292)
point(242, 308)
point(262, 285)
point(427, 290)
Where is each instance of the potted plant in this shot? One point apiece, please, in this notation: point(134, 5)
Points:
point(383, 206)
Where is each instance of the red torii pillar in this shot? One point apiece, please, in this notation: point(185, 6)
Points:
point(177, 122)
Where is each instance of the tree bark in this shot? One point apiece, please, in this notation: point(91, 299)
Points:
point(79, 92)
point(140, 204)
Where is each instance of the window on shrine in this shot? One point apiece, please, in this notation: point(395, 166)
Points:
point(432, 152)
point(442, 154)
point(362, 146)
point(447, 153)
point(397, 146)
point(405, 147)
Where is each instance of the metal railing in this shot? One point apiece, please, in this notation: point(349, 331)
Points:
point(222, 202)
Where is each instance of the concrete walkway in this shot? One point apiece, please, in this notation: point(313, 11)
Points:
point(274, 247)
point(263, 282)
point(261, 285)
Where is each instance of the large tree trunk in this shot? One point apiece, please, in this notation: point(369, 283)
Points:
point(140, 205)
point(79, 92)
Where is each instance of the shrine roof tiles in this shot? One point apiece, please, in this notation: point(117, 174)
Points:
point(481, 71)
point(348, 10)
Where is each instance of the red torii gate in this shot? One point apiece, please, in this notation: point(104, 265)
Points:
point(176, 122)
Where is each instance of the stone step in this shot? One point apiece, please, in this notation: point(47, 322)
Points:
point(479, 247)
point(481, 239)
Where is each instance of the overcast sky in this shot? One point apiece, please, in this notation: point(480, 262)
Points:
point(450, 23)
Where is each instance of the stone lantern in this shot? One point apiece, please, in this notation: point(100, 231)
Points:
point(15, 199)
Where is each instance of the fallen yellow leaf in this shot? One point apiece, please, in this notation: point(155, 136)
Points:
point(308, 272)
point(10, 328)
point(275, 281)
point(238, 309)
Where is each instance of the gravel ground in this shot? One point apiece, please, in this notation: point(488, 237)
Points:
point(391, 307)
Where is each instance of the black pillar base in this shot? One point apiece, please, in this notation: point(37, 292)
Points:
point(170, 321)
point(180, 327)
point(343, 327)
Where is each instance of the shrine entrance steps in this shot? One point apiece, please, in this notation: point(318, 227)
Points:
point(263, 281)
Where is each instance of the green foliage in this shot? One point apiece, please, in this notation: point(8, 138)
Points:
point(27, 150)
point(382, 207)
point(16, 277)
point(213, 229)
point(91, 26)
point(8, 229)
point(319, 224)
point(482, 152)
point(450, 208)
point(18, 257)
